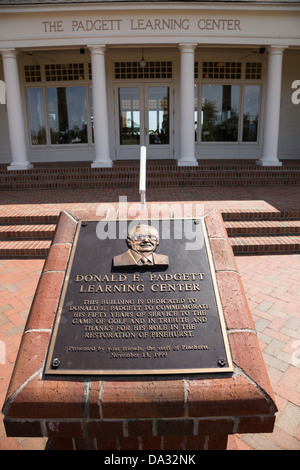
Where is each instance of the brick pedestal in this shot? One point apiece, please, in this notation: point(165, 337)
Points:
point(151, 413)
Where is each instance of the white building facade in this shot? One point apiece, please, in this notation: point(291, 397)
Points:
point(191, 81)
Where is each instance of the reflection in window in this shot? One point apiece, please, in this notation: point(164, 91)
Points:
point(36, 116)
point(92, 113)
point(158, 115)
point(67, 115)
point(196, 112)
point(251, 113)
point(220, 113)
point(129, 108)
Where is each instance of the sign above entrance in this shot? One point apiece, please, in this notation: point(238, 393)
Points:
point(161, 23)
point(142, 24)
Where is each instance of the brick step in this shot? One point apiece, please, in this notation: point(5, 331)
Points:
point(75, 168)
point(155, 172)
point(42, 217)
point(152, 170)
point(240, 245)
point(209, 182)
point(264, 245)
point(239, 215)
point(250, 231)
point(29, 232)
point(262, 227)
point(167, 174)
point(24, 248)
point(46, 216)
point(152, 165)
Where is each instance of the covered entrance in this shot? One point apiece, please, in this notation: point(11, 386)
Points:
point(79, 87)
point(144, 118)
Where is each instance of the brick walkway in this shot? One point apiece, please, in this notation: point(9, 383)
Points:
point(272, 285)
point(18, 281)
point(264, 198)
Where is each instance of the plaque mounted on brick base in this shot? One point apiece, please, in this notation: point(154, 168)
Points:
point(139, 297)
point(86, 279)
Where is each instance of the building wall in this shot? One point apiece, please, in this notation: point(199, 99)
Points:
point(5, 156)
point(289, 137)
point(289, 134)
point(204, 150)
point(46, 35)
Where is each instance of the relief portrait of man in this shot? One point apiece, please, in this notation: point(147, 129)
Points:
point(142, 241)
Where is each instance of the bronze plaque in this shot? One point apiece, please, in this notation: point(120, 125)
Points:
point(139, 298)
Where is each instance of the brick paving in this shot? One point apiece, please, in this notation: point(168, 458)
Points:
point(272, 286)
point(18, 281)
point(54, 201)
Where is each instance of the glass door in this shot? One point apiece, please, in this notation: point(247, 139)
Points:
point(129, 116)
point(143, 119)
point(158, 121)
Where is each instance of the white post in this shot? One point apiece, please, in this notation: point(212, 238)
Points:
point(272, 112)
point(100, 108)
point(15, 112)
point(187, 106)
point(143, 177)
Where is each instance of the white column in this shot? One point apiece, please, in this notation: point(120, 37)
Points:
point(15, 112)
point(187, 106)
point(272, 111)
point(100, 108)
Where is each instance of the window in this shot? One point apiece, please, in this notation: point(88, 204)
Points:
point(220, 113)
point(196, 111)
point(92, 112)
point(133, 70)
point(67, 115)
point(59, 112)
point(253, 70)
point(158, 115)
point(62, 72)
point(223, 70)
point(129, 103)
point(251, 113)
point(36, 111)
point(227, 101)
point(32, 73)
point(196, 70)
